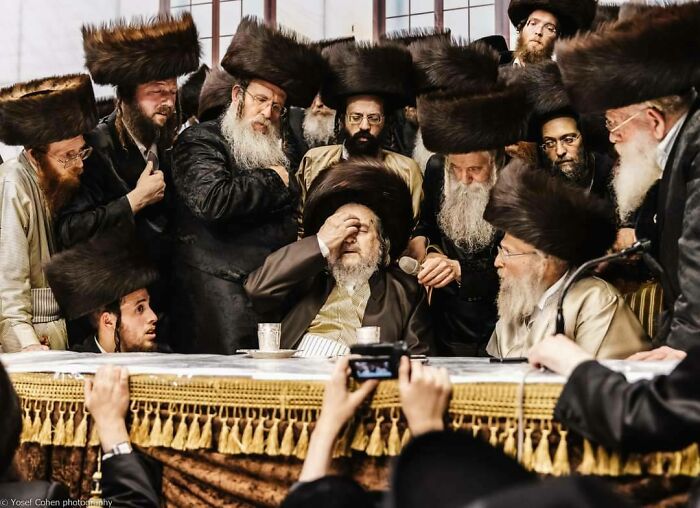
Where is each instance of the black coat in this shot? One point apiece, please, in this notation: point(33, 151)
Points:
point(465, 315)
point(227, 221)
point(677, 220)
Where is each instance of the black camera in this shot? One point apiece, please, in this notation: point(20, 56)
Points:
point(377, 361)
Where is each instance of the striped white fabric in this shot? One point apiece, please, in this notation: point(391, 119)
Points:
point(44, 306)
point(313, 346)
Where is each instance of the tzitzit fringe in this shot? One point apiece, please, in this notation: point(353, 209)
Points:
point(276, 418)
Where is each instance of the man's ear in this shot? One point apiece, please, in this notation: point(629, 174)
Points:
point(236, 93)
point(657, 121)
point(108, 320)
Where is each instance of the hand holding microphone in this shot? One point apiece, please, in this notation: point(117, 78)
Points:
point(437, 271)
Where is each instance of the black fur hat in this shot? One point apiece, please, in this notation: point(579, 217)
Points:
point(30, 112)
point(550, 214)
point(653, 54)
point(383, 69)
point(190, 90)
point(98, 272)
point(572, 15)
point(105, 106)
point(408, 37)
point(366, 182)
point(324, 44)
point(278, 55)
point(128, 54)
point(215, 95)
point(499, 44)
point(455, 67)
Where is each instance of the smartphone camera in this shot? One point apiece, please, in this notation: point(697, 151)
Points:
point(377, 361)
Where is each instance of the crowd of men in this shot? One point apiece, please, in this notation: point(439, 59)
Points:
point(287, 185)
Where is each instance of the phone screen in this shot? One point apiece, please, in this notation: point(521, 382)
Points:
point(371, 368)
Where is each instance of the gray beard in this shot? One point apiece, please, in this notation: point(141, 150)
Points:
point(318, 129)
point(461, 215)
point(518, 297)
point(636, 173)
point(356, 274)
point(252, 149)
point(420, 153)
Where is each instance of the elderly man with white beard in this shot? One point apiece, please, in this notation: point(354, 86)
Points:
point(653, 116)
point(550, 228)
point(236, 200)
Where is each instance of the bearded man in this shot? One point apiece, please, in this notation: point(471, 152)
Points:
point(654, 122)
point(357, 221)
point(236, 200)
point(125, 180)
point(366, 84)
point(551, 228)
point(35, 186)
point(541, 22)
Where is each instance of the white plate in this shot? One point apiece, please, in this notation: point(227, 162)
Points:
point(271, 355)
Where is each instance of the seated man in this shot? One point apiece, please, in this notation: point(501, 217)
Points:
point(339, 278)
point(106, 279)
point(550, 228)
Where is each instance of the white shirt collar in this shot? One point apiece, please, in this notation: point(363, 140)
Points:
point(663, 151)
point(99, 346)
point(551, 291)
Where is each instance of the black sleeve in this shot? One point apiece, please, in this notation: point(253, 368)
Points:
point(659, 414)
point(432, 190)
point(131, 480)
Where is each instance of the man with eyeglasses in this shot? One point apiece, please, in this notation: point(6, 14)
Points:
point(33, 189)
point(653, 117)
point(550, 229)
point(541, 22)
point(366, 83)
point(237, 198)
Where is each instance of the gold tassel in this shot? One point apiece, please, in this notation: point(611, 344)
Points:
point(287, 446)
point(257, 445)
point(493, 435)
point(602, 462)
point(476, 427)
point(180, 439)
point(135, 423)
point(166, 438)
point(376, 447)
point(36, 426)
point(691, 461)
point(59, 434)
point(156, 438)
point(94, 436)
point(303, 442)
point(676, 465)
point(393, 447)
point(205, 439)
point(272, 445)
point(234, 445)
point(80, 438)
point(561, 465)
point(45, 432)
point(193, 433)
point(143, 435)
point(342, 445)
point(360, 439)
point(656, 467)
point(247, 439)
point(405, 438)
point(542, 459)
point(70, 427)
point(615, 464)
point(527, 459)
point(587, 465)
point(509, 446)
point(633, 466)
point(26, 435)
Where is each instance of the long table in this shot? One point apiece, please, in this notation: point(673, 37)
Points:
point(230, 430)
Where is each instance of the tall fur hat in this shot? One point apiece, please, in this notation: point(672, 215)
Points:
point(366, 182)
point(383, 69)
point(499, 44)
point(105, 106)
point(29, 112)
point(122, 53)
point(280, 56)
point(98, 272)
point(572, 15)
point(215, 95)
point(651, 55)
point(190, 90)
point(324, 44)
point(408, 37)
point(456, 67)
point(550, 214)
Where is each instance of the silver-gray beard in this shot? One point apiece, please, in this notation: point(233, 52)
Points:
point(517, 297)
point(636, 173)
point(420, 153)
point(355, 274)
point(318, 129)
point(252, 149)
point(461, 215)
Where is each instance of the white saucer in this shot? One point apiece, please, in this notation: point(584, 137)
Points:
point(271, 355)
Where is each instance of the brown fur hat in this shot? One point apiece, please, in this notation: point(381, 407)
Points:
point(408, 37)
point(383, 69)
point(456, 67)
point(128, 54)
point(550, 214)
point(324, 44)
point(30, 112)
point(653, 54)
point(215, 95)
point(572, 15)
point(98, 272)
point(366, 182)
point(278, 55)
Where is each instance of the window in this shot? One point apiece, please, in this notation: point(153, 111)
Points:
point(470, 19)
point(409, 14)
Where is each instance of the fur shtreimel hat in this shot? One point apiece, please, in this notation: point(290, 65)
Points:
point(279, 56)
point(383, 69)
point(572, 15)
point(98, 272)
point(550, 214)
point(215, 95)
point(122, 53)
point(29, 112)
point(408, 37)
point(366, 182)
point(653, 54)
point(190, 90)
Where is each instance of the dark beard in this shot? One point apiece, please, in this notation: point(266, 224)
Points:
point(145, 130)
point(362, 144)
point(531, 56)
point(57, 189)
point(579, 175)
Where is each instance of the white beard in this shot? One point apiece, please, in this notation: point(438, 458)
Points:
point(420, 153)
point(252, 149)
point(355, 274)
point(517, 297)
point(318, 129)
point(461, 215)
point(636, 173)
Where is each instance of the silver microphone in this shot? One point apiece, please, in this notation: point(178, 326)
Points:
point(409, 265)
